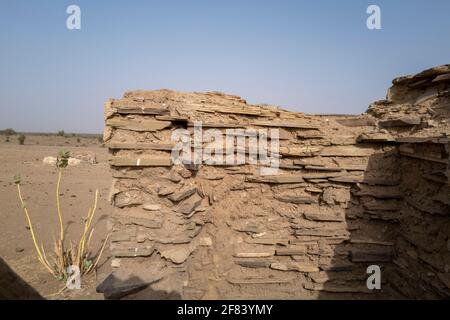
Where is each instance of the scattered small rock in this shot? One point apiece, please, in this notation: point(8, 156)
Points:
point(115, 263)
point(151, 207)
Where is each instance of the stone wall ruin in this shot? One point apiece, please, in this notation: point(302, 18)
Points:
point(351, 191)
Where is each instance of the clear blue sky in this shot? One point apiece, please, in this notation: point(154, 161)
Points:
point(311, 56)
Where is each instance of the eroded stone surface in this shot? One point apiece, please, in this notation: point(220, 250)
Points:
point(349, 192)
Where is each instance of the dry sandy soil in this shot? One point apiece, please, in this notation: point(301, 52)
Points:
point(39, 184)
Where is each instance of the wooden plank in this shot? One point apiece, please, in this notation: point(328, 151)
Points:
point(141, 162)
point(166, 146)
point(142, 125)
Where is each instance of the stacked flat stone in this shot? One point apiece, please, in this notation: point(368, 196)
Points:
point(350, 192)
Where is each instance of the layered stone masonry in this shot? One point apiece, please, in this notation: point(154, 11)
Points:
point(350, 192)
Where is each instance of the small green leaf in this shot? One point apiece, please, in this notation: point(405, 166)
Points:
point(63, 159)
point(17, 179)
point(87, 264)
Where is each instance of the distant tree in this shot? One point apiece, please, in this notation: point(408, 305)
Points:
point(8, 132)
point(21, 139)
point(61, 133)
point(7, 139)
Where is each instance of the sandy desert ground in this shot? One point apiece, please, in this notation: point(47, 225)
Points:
point(39, 184)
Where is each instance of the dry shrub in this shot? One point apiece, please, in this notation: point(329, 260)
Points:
point(79, 255)
point(21, 139)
